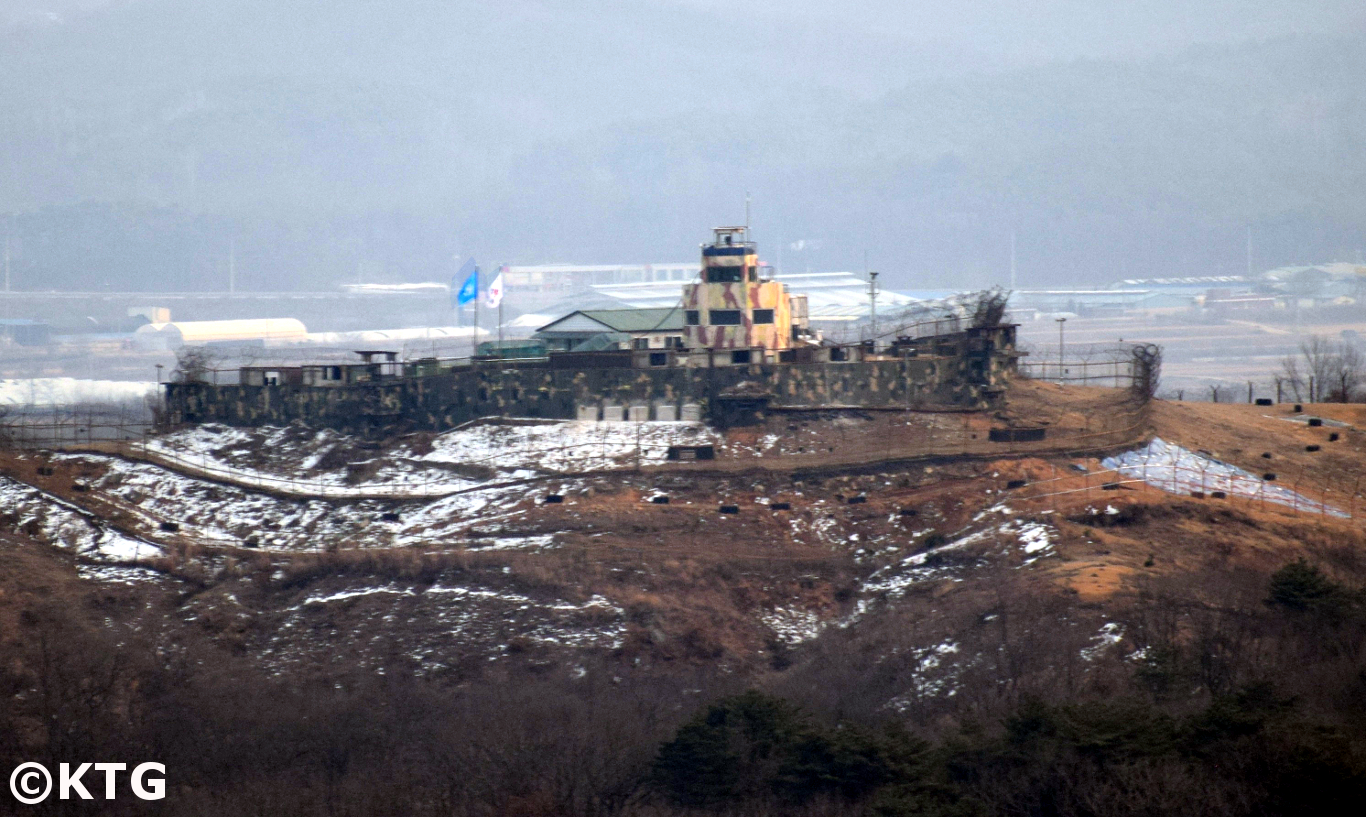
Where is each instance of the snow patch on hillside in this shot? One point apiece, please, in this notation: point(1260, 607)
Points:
point(793, 625)
point(1178, 470)
point(26, 510)
point(1034, 540)
point(295, 459)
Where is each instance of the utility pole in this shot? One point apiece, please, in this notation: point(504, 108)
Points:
point(872, 306)
point(1060, 321)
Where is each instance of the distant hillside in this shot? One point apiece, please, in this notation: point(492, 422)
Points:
point(374, 141)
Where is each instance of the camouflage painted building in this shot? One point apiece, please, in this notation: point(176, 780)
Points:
point(732, 307)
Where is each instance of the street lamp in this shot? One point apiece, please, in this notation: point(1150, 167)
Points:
point(1060, 321)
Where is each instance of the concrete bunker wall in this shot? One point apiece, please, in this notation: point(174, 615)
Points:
point(442, 401)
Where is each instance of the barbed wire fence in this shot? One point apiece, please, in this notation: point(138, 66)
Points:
point(1135, 366)
point(617, 447)
point(1300, 493)
point(605, 447)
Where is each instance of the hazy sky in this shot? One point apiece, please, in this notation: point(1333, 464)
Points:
point(1014, 29)
point(1049, 29)
point(323, 135)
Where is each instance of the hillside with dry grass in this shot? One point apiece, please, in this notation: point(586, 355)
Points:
point(542, 635)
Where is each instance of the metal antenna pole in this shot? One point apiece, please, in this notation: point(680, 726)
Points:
point(872, 306)
point(1060, 321)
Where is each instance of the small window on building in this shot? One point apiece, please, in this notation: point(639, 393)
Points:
point(724, 317)
point(659, 358)
point(272, 378)
point(641, 343)
point(332, 373)
point(725, 275)
point(673, 342)
point(763, 316)
point(740, 356)
point(693, 317)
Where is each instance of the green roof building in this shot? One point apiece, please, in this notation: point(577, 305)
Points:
point(632, 328)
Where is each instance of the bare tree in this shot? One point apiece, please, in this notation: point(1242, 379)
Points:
point(1347, 369)
point(193, 364)
point(1292, 376)
point(1318, 353)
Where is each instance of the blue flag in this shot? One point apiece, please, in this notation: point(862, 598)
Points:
point(470, 289)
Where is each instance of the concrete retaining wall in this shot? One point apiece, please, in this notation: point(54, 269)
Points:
point(441, 401)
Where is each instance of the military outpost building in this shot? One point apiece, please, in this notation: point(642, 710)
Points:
point(737, 347)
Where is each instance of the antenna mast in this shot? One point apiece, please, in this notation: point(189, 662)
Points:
point(873, 290)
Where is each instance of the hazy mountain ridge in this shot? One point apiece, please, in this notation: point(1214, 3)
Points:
point(319, 139)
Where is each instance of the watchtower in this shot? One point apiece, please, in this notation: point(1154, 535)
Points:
point(733, 307)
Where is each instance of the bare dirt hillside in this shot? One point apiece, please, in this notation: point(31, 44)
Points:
point(525, 636)
point(660, 565)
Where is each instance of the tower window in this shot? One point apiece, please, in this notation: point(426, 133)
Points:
point(725, 275)
point(725, 317)
point(693, 317)
point(763, 316)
